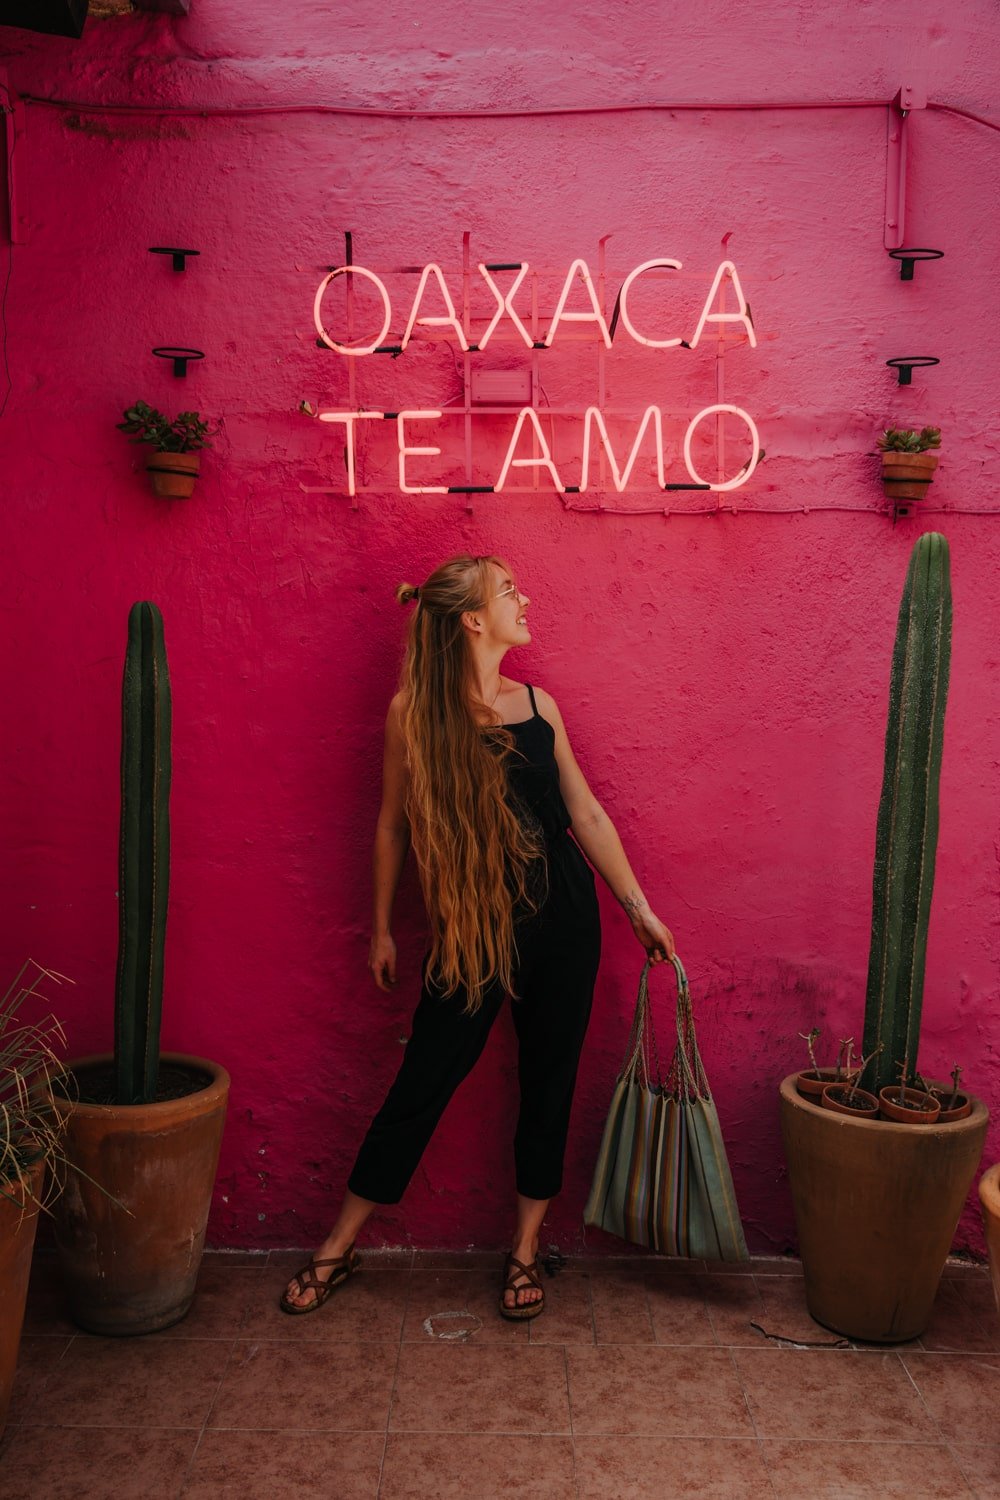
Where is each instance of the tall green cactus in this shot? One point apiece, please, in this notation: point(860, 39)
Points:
point(143, 857)
point(906, 837)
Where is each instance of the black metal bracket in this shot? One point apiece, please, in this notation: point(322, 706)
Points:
point(909, 257)
point(181, 357)
point(179, 256)
point(907, 365)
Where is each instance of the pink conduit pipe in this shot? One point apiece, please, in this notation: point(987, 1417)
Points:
point(533, 111)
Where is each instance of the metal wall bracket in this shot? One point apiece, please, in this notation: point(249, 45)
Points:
point(912, 95)
point(172, 7)
point(12, 106)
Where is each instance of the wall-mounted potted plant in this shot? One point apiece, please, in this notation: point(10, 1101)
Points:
point(876, 1202)
point(147, 1127)
point(174, 464)
point(908, 462)
point(31, 1126)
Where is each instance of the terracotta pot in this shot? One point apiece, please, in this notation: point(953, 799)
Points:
point(835, 1097)
point(963, 1106)
point(905, 476)
point(942, 1092)
point(811, 1087)
point(130, 1266)
point(18, 1222)
point(989, 1199)
point(173, 474)
point(927, 1110)
point(876, 1205)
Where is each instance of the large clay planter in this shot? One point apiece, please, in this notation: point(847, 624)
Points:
point(876, 1206)
point(134, 1272)
point(173, 475)
point(989, 1198)
point(906, 476)
point(17, 1239)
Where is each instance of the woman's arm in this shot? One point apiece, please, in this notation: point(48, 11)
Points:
point(392, 841)
point(598, 838)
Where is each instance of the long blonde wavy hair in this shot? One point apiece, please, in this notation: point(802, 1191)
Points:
point(474, 855)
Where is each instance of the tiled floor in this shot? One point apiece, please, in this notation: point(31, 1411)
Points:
point(643, 1379)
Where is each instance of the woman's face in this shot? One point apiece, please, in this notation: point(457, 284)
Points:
point(506, 609)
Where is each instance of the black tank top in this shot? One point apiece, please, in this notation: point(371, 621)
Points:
point(533, 775)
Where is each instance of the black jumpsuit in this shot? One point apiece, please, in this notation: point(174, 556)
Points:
point(558, 949)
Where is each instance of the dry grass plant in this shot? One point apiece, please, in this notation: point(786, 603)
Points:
point(32, 1077)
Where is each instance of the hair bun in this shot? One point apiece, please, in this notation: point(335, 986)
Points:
point(406, 592)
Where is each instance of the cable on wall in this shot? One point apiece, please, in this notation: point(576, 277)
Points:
point(531, 111)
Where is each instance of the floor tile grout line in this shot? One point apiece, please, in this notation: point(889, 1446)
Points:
point(743, 1392)
point(395, 1377)
point(762, 1455)
point(932, 1420)
point(569, 1417)
point(973, 1491)
point(208, 1415)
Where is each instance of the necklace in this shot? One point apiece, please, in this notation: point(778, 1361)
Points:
point(497, 693)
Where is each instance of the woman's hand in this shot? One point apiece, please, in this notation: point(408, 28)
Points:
point(657, 940)
point(382, 962)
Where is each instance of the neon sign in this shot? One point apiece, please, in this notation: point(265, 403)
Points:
point(433, 314)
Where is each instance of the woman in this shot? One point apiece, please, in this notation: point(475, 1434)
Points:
point(479, 776)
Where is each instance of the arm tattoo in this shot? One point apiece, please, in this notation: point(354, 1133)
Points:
point(633, 902)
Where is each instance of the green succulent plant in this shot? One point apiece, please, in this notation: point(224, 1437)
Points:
point(183, 434)
point(905, 440)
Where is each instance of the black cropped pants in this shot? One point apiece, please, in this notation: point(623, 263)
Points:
point(559, 948)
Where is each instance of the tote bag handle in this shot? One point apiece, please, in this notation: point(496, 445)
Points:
point(685, 1078)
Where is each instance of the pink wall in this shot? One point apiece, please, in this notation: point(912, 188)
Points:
point(723, 677)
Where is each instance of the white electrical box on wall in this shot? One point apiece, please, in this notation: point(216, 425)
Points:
point(501, 387)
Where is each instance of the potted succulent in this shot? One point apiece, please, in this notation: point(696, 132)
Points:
point(812, 1081)
point(31, 1124)
point(147, 1128)
point(877, 1202)
point(174, 464)
point(846, 1096)
point(908, 462)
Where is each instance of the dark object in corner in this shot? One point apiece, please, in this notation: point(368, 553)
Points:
point(56, 17)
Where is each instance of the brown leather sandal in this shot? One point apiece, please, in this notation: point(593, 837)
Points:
point(526, 1309)
point(344, 1266)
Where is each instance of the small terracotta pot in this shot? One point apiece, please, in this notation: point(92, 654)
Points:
point(173, 474)
point(963, 1107)
point(905, 476)
point(926, 1113)
point(835, 1093)
point(942, 1089)
point(810, 1086)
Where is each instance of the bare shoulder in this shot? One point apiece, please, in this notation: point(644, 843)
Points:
point(547, 705)
point(394, 717)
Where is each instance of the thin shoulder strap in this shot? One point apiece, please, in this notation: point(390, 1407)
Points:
point(534, 706)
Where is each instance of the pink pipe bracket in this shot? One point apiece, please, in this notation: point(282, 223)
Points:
point(910, 96)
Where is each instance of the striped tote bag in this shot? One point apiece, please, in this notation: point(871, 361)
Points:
point(662, 1178)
